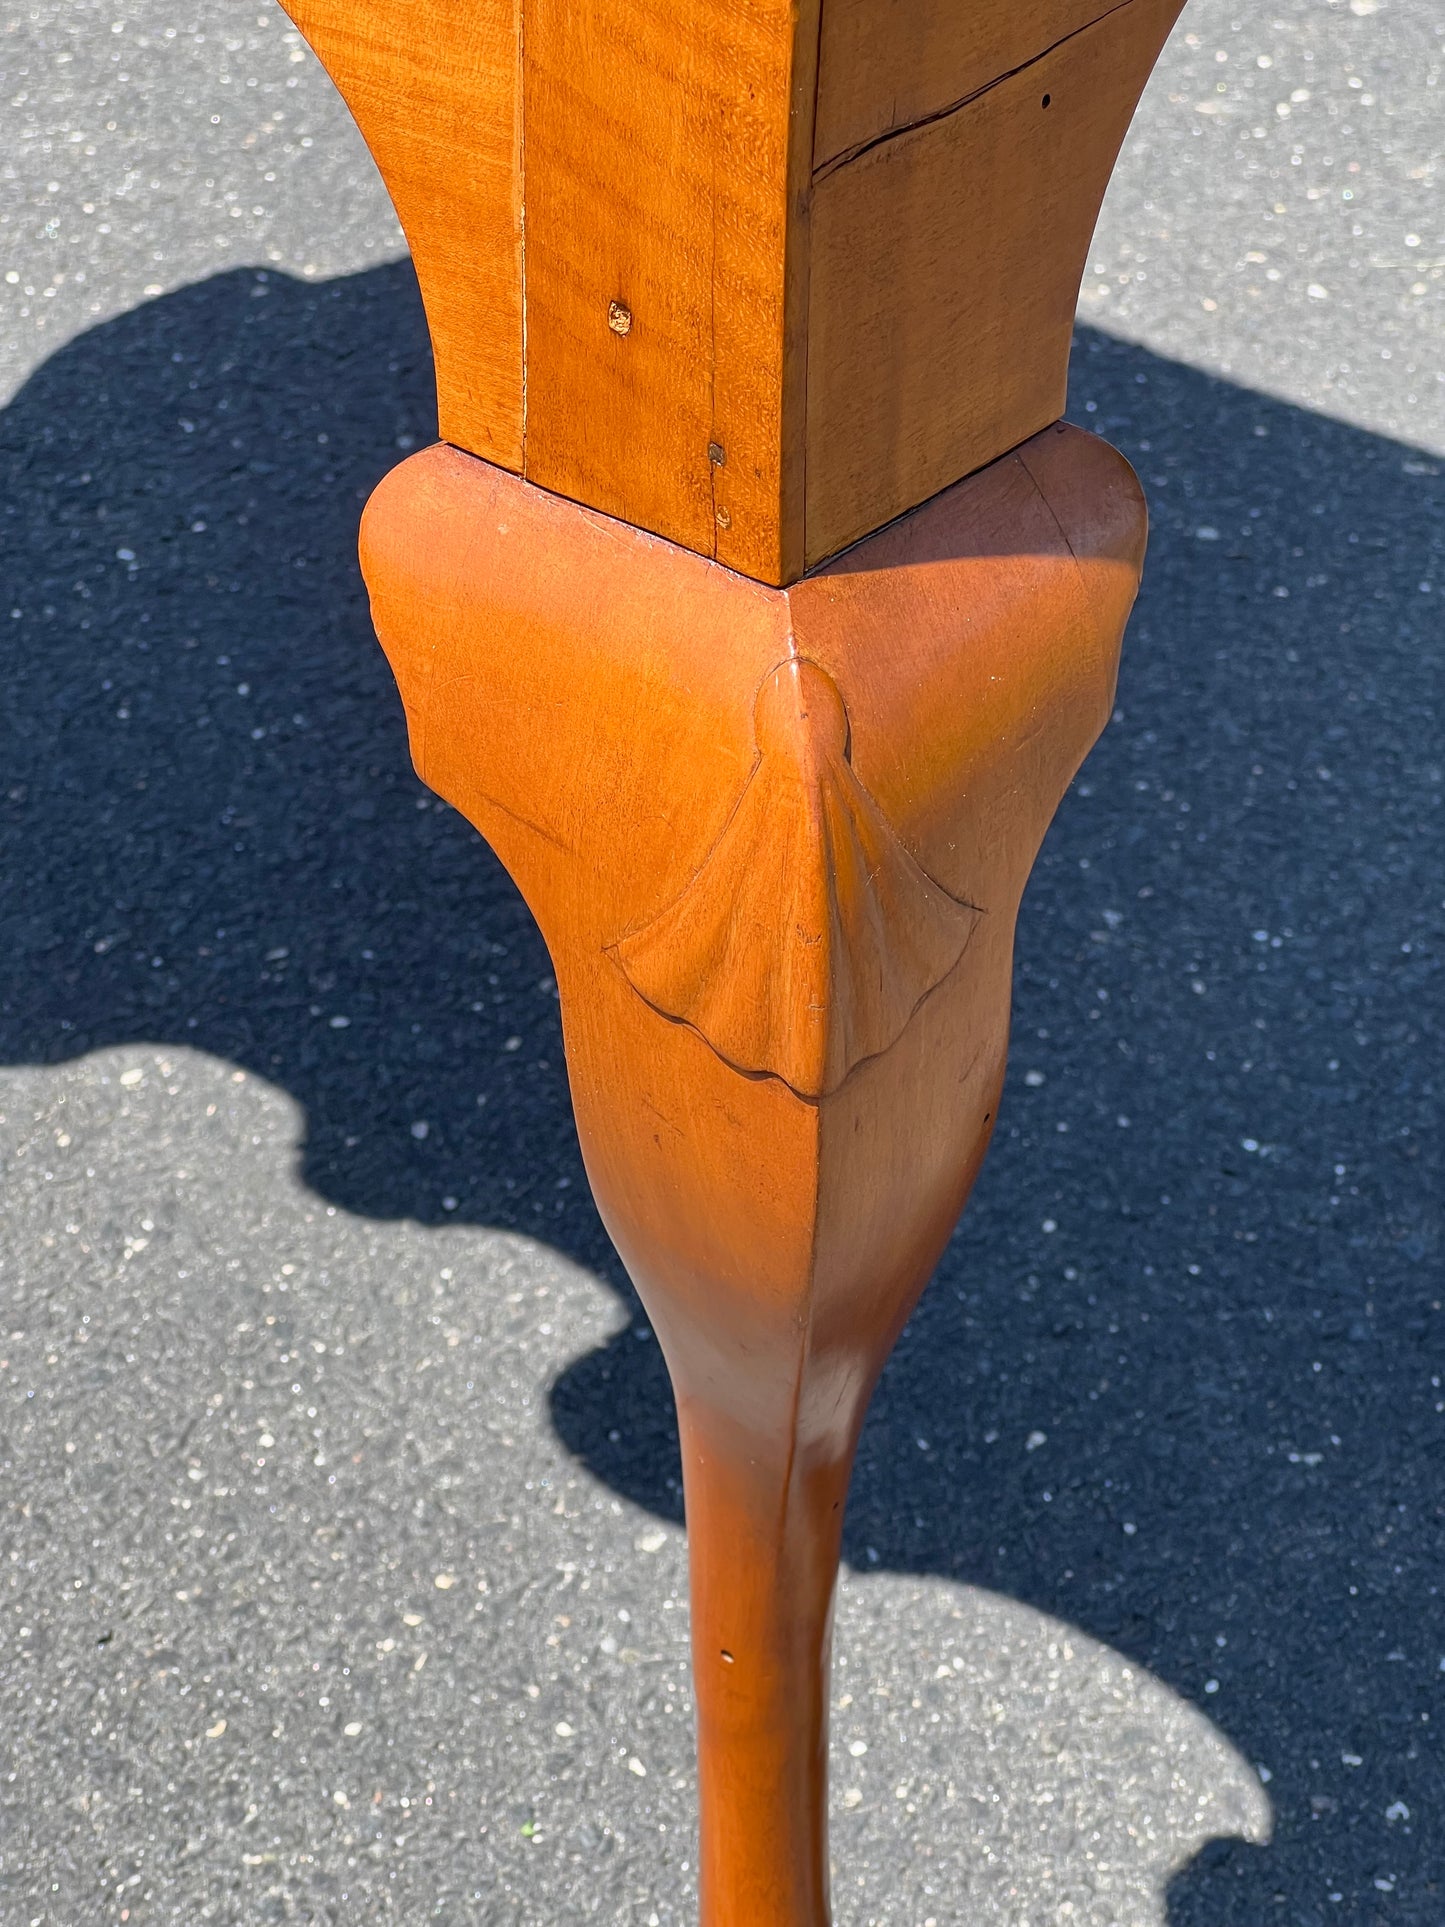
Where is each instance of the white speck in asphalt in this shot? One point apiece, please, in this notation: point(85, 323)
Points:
point(1035, 1440)
point(634, 1765)
point(857, 1748)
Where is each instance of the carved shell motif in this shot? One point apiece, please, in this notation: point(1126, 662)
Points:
point(809, 936)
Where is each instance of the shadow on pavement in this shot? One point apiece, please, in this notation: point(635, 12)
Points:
point(1177, 1382)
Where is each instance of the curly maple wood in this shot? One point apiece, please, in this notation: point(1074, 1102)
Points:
point(846, 237)
point(862, 766)
point(437, 92)
point(758, 276)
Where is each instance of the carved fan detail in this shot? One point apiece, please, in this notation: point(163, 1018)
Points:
point(809, 936)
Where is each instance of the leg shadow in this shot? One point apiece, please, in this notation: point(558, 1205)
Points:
point(1173, 1384)
point(213, 833)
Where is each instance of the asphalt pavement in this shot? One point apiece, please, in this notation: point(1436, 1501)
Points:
point(342, 1572)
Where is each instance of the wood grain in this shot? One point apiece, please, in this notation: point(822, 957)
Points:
point(437, 96)
point(756, 360)
point(775, 836)
point(597, 702)
point(946, 263)
point(886, 64)
point(809, 936)
point(664, 149)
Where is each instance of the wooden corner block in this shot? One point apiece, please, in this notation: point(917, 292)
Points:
point(775, 840)
point(755, 275)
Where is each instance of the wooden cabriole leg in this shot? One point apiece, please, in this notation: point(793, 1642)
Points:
point(719, 294)
point(775, 840)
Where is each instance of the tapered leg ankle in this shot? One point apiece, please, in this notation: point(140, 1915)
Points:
point(763, 1537)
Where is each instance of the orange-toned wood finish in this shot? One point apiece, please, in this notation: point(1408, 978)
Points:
point(437, 93)
point(756, 275)
point(775, 840)
point(721, 291)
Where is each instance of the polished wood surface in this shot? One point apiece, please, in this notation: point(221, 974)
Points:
point(809, 936)
point(754, 275)
point(761, 643)
point(775, 841)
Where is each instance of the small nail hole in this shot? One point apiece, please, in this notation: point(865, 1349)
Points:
point(727, 1657)
point(1046, 99)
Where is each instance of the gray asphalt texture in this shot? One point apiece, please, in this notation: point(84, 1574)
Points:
point(342, 1572)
